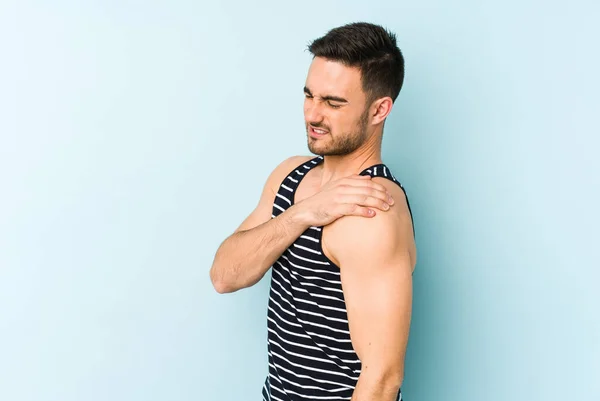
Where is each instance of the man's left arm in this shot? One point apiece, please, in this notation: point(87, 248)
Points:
point(376, 258)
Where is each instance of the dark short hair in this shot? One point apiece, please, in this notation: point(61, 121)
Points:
point(372, 49)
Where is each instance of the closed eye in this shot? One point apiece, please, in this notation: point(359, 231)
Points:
point(335, 102)
point(329, 102)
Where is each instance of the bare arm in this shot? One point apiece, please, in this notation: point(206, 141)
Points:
point(376, 257)
point(246, 255)
point(244, 258)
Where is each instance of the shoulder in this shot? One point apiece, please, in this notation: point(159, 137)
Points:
point(389, 234)
point(284, 168)
point(396, 221)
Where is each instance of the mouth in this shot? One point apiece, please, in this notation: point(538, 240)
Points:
point(316, 132)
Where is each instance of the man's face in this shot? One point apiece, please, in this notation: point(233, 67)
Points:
point(335, 111)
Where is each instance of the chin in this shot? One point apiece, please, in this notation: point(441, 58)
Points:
point(317, 150)
point(323, 151)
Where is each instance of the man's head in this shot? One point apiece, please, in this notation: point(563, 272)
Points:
point(355, 77)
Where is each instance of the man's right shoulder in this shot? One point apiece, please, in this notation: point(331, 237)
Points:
point(284, 168)
point(292, 162)
point(288, 165)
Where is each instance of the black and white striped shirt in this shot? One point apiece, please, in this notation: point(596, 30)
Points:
point(309, 349)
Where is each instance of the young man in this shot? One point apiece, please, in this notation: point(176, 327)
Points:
point(337, 230)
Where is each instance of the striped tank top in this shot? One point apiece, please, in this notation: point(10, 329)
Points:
point(310, 354)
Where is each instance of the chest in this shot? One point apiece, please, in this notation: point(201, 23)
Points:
point(308, 186)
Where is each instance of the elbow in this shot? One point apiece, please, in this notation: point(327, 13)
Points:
point(220, 285)
point(226, 279)
point(387, 381)
point(395, 383)
point(391, 381)
point(218, 276)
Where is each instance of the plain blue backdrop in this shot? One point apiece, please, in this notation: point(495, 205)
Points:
point(136, 135)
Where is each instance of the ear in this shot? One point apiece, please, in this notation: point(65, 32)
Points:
point(380, 109)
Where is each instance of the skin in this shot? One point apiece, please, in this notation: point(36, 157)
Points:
point(368, 231)
point(376, 255)
point(376, 258)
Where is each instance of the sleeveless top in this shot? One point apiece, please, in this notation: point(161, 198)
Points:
point(308, 339)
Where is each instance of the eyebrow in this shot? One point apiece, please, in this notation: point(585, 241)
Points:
point(327, 97)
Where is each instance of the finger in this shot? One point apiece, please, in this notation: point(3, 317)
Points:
point(381, 194)
point(356, 210)
point(367, 201)
point(379, 191)
point(366, 183)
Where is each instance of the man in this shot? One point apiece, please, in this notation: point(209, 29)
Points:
point(337, 231)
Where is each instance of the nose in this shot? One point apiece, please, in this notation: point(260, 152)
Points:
point(312, 111)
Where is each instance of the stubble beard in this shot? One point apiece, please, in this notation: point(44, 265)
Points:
point(343, 145)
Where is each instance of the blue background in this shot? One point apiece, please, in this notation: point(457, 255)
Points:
point(136, 135)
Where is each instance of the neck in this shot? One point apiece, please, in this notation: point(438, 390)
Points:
point(336, 167)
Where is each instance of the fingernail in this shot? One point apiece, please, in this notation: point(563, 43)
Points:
point(391, 200)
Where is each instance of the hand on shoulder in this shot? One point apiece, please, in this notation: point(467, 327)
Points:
point(380, 237)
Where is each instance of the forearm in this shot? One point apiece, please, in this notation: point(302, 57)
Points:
point(245, 256)
point(376, 387)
